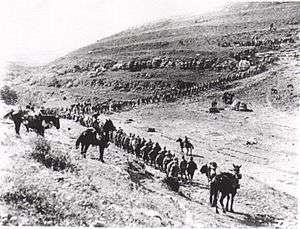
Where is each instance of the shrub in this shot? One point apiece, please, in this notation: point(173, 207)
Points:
point(172, 183)
point(55, 159)
point(8, 95)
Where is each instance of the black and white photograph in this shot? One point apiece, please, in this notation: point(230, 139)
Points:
point(149, 113)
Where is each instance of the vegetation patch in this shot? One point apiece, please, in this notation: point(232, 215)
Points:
point(55, 159)
point(137, 171)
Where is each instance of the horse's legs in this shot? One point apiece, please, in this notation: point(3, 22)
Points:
point(211, 194)
point(215, 197)
point(82, 148)
point(85, 150)
point(227, 203)
point(215, 204)
point(221, 202)
point(101, 152)
point(232, 197)
point(17, 127)
point(42, 131)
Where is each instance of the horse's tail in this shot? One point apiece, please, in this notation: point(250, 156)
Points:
point(78, 141)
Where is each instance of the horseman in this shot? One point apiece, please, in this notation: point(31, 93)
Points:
point(186, 140)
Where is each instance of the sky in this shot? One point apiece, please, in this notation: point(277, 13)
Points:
point(39, 31)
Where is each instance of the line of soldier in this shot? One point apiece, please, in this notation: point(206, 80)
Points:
point(83, 112)
point(266, 43)
point(153, 154)
point(191, 63)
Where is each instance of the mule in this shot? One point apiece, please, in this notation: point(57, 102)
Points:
point(38, 123)
point(226, 184)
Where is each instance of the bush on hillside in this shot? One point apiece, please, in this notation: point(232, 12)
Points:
point(8, 95)
point(172, 183)
point(55, 159)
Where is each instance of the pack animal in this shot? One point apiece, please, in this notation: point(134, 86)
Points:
point(227, 185)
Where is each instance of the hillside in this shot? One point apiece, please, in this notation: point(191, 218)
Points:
point(163, 55)
point(164, 76)
point(120, 192)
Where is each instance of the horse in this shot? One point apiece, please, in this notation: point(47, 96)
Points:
point(91, 137)
point(183, 144)
point(36, 122)
point(17, 117)
point(97, 137)
point(41, 122)
point(227, 184)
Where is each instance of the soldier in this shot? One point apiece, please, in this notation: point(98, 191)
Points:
point(191, 168)
point(183, 167)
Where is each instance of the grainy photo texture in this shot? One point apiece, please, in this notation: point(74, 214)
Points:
point(147, 113)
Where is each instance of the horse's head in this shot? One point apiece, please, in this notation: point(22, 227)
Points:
point(179, 140)
point(236, 169)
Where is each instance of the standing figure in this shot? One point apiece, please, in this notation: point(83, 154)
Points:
point(191, 168)
point(183, 167)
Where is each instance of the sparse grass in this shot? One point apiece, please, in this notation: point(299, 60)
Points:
point(55, 159)
point(44, 202)
point(46, 206)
